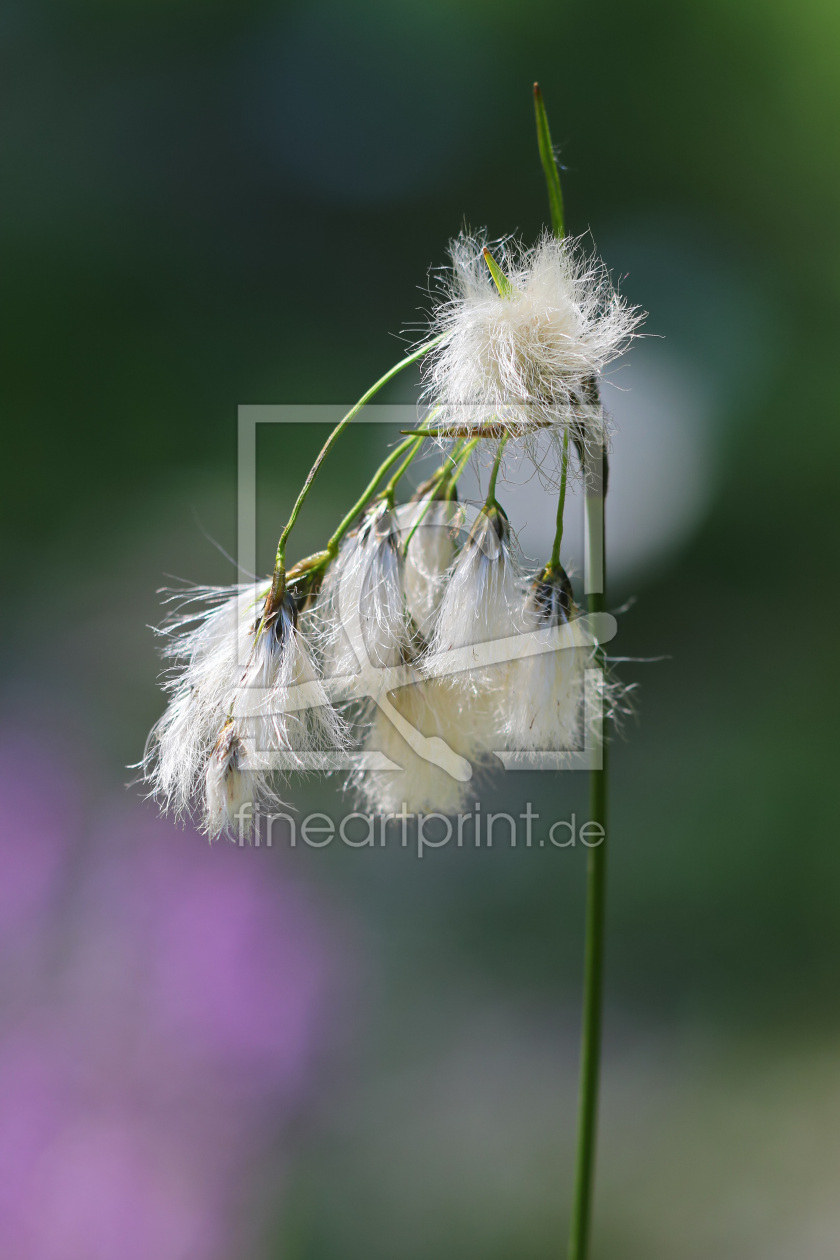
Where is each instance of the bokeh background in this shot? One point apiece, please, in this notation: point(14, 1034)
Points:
point(208, 1052)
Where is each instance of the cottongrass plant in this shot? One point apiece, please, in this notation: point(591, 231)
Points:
point(418, 629)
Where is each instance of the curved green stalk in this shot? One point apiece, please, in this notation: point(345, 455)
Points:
point(391, 488)
point(367, 494)
point(445, 473)
point(463, 460)
point(490, 501)
point(280, 560)
point(370, 490)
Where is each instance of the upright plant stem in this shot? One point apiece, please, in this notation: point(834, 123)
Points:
point(593, 966)
point(596, 876)
point(591, 1032)
point(561, 502)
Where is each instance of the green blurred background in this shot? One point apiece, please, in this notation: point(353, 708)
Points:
point(214, 204)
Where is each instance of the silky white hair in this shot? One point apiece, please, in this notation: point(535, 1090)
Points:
point(202, 642)
point(524, 359)
point(359, 619)
point(230, 783)
point(543, 705)
point(213, 747)
point(483, 597)
point(433, 707)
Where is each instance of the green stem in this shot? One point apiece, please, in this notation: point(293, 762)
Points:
point(593, 969)
point(280, 560)
point(448, 472)
point(367, 494)
point(491, 489)
point(463, 460)
point(390, 490)
point(561, 502)
point(596, 879)
point(361, 503)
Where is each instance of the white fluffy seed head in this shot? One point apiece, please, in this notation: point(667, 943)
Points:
point(280, 703)
point(204, 645)
point(359, 619)
point(482, 603)
point(482, 600)
point(542, 707)
point(435, 708)
point(225, 679)
point(528, 357)
point(230, 785)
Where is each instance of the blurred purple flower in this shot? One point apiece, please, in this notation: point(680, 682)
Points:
point(40, 821)
point(79, 1181)
point(175, 1022)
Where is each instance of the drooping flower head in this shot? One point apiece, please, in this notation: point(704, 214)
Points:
point(524, 357)
point(482, 600)
point(202, 643)
point(216, 746)
point(230, 780)
point(543, 706)
point(359, 619)
point(432, 709)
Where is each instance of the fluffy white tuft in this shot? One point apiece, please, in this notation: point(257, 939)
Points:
point(436, 708)
point(542, 707)
point(230, 784)
point(527, 358)
point(280, 660)
point(359, 619)
point(483, 598)
point(203, 646)
point(225, 720)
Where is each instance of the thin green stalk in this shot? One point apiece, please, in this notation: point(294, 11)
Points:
point(367, 494)
point(370, 490)
point(280, 560)
point(561, 502)
point(390, 490)
point(494, 473)
point(458, 460)
point(593, 975)
point(463, 460)
point(593, 967)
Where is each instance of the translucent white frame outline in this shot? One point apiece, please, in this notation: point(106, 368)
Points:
point(404, 415)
